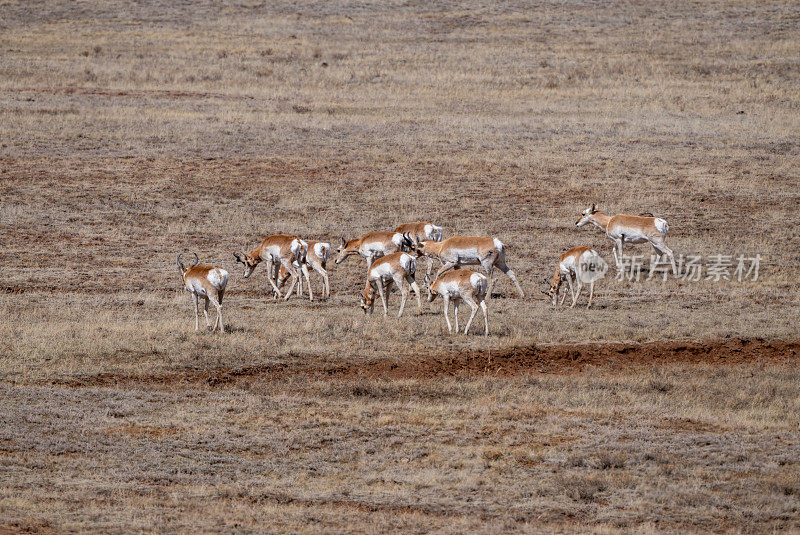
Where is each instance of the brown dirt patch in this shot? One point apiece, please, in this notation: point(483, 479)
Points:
point(558, 359)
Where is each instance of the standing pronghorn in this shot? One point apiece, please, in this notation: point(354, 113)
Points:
point(373, 245)
point(421, 231)
point(470, 250)
point(632, 229)
point(461, 285)
point(207, 282)
point(317, 255)
point(582, 264)
point(278, 249)
point(396, 269)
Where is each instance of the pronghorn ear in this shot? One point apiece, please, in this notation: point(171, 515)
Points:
point(594, 208)
point(344, 242)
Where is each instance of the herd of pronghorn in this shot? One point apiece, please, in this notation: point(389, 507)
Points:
point(391, 262)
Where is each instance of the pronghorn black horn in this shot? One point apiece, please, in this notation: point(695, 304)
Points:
point(196, 260)
point(180, 266)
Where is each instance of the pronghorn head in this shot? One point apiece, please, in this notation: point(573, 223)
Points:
point(431, 292)
point(250, 262)
point(586, 216)
point(367, 300)
point(184, 269)
point(346, 249)
point(555, 286)
point(408, 244)
point(417, 247)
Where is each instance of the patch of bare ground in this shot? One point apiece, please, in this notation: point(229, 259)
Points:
point(558, 359)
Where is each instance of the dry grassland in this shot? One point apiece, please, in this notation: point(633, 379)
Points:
point(132, 131)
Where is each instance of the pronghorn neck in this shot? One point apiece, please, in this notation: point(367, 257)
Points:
point(431, 248)
point(558, 278)
point(255, 254)
point(600, 220)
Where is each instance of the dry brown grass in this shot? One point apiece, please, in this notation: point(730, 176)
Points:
point(130, 132)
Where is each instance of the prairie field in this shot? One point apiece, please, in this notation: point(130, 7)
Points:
point(133, 131)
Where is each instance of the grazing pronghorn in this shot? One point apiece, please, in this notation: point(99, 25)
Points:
point(580, 263)
point(470, 250)
point(373, 245)
point(421, 231)
point(207, 282)
point(632, 229)
point(396, 269)
point(461, 285)
point(317, 255)
point(278, 249)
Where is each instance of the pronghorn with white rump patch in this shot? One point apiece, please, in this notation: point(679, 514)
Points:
point(581, 263)
point(461, 285)
point(623, 228)
point(317, 255)
point(396, 269)
point(208, 282)
point(373, 245)
point(278, 249)
point(470, 250)
point(421, 231)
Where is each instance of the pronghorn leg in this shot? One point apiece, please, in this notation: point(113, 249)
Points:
point(274, 274)
point(488, 267)
point(383, 293)
point(419, 299)
point(666, 250)
point(304, 270)
point(474, 308)
point(456, 302)
point(571, 289)
point(511, 275)
point(326, 288)
point(445, 267)
point(563, 298)
point(577, 293)
point(403, 294)
point(446, 317)
point(290, 268)
point(485, 317)
point(196, 311)
point(205, 311)
point(591, 293)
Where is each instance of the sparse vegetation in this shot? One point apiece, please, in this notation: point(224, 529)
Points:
point(130, 132)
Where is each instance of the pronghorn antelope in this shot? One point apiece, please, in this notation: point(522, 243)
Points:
point(461, 285)
point(317, 256)
point(373, 245)
point(582, 264)
point(396, 269)
point(632, 229)
point(470, 250)
point(278, 249)
point(421, 231)
point(207, 282)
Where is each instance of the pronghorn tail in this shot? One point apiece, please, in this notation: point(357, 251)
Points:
point(661, 225)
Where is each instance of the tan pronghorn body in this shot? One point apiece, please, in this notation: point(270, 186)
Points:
point(470, 250)
point(624, 228)
point(317, 255)
point(208, 282)
point(579, 263)
point(396, 269)
point(278, 250)
point(373, 245)
point(421, 231)
point(461, 285)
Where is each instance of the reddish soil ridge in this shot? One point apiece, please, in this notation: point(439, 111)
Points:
point(559, 359)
